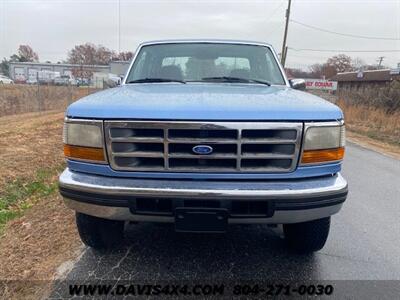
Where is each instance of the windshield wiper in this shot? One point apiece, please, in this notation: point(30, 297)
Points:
point(143, 80)
point(236, 79)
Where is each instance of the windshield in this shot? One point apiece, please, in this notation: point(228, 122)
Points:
point(205, 62)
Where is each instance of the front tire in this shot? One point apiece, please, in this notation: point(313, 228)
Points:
point(307, 237)
point(99, 233)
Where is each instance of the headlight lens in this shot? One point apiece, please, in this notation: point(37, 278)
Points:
point(323, 143)
point(324, 137)
point(83, 140)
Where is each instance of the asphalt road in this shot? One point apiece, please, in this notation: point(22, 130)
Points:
point(364, 241)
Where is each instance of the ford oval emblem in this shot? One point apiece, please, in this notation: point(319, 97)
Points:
point(202, 149)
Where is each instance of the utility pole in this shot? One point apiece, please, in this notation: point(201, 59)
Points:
point(284, 50)
point(379, 60)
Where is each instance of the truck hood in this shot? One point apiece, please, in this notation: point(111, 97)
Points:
point(204, 101)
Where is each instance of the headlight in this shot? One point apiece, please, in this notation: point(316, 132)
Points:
point(323, 142)
point(83, 140)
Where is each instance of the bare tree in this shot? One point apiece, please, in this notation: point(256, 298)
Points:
point(341, 63)
point(26, 53)
point(322, 70)
point(82, 54)
point(357, 64)
point(328, 71)
point(317, 70)
point(90, 54)
point(103, 55)
point(298, 73)
point(124, 56)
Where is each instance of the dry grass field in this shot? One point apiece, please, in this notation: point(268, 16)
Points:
point(373, 122)
point(373, 111)
point(29, 142)
point(366, 115)
point(37, 232)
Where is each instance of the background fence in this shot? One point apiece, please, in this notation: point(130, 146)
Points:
point(24, 98)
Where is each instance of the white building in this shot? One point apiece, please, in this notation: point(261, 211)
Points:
point(28, 70)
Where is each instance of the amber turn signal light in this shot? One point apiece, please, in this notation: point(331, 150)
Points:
point(85, 153)
point(325, 155)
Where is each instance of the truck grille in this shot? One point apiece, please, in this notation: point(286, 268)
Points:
point(236, 146)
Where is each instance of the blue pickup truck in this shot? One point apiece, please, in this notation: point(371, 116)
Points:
point(203, 134)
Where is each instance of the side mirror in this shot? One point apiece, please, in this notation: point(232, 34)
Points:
point(298, 84)
point(112, 82)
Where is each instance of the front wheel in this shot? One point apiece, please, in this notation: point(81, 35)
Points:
point(307, 237)
point(99, 233)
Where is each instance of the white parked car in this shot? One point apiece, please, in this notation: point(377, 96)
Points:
point(5, 80)
point(32, 81)
point(64, 80)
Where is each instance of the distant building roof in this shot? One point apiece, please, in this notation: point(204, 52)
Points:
point(123, 62)
point(372, 75)
point(56, 64)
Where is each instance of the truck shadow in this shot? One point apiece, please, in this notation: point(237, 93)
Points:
point(157, 253)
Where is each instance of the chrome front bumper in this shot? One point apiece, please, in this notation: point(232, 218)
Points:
point(293, 200)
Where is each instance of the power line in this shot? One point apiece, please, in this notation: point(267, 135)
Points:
point(310, 56)
point(276, 10)
point(274, 28)
point(340, 50)
point(344, 34)
point(313, 56)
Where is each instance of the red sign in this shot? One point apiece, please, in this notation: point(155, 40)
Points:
point(319, 84)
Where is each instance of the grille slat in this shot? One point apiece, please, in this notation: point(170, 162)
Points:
point(195, 156)
point(137, 147)
point(202, 164)
point(202, 140)
point(203, 134)
point(136, 132)
point(267, 141)
point(137, 140)
point(137, 154)
point(269, 134)
point(237, 147)
point(266, 156)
